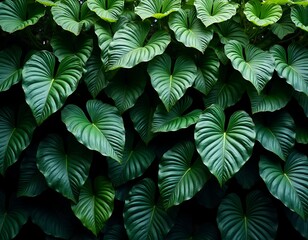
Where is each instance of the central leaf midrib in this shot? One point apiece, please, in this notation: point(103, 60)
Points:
point(285, 175)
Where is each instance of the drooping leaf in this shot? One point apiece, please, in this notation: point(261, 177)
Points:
point(284, 26)
point(10, 67)
point(262, 14)
point(299, 16)
point(157, 8)
point(170, 82)
point(254, 219)
point(224, 152)
point(298, 223)
point(140, 207)
point(73, 16)
point(302, 100)
point(214, 11)
point(189, 30)
point(129, 46)
point(255, 65)
point(16, 129)
point(292, 65)
point(180, 176)
point(288, 183)
point(108, 10)
point(176, 119)
point(103, 132)
point(104, 34)
point(65, 165)
point(47, 88)
point(95, 204)
point(17, 15)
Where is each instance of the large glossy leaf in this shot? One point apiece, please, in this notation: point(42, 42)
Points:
point(140, 207)
point(65, 165)
point(19, 14)
point(16, 128)
point(13, 215)
point(255, 65)
point(130, 47)
point(302, 100)
point(224, 149)
point(256, 218)
point(171, 80)
point(108, 10)
point(157, 8)
point(95, 204)
point(292, 65)
point(47, 88)
point(104, 34)
point(189, 30)
point(180, 176)
point(288, 183)
point(214, 11)
point(298, 223)
point(284, 26)
point(73, 16)
point(164, 121)
point(262, 14)
point(10, 67)
point(103, 132)
point(299, 16)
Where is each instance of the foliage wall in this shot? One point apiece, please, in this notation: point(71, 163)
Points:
point(153, 119)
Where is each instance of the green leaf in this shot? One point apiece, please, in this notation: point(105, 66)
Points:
point(73, 16)
point(115, 232)
point(143, 217)
point(292, 65)
point(19, 14)
point(262, 14)
point(47, 88)
point(189, 30)
point(12, 217)
point(130, 47)
point(171, 82)
point(16, 129)
point(108, 10)
point(104, 132)
point(127, 88)
point(255, 65)
point(65, 165)
point(302, 100)
point(65, 44)
point(284, 26)
point(157, 8)
point(288, 183)
point(95, 204)
point(180, 176)
point(224, 152)
point(174, 120)
point(104, 35)
point(207, 73)
point(10, 67)
point(298, 223)
point(299, 16)
point(214, 11)
point(248, 175)
point(48, 3)
point(256, 218)
point(301, 135)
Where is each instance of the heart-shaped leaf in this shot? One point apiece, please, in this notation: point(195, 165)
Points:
point(10, 67)
point(255, 65)
point(104, 132)
point(288, 183)
point(170, 82)
point(224, 152)
point(180, 176)
point(65, 165)
point(17, 15)
point(129, 46)
point(262, 14)
point(16, 129)
point(95, 204)
point(140, 207)
point(292, 65)
point(254, 219)
point(157, 8)
point(214, 11)
point(284, 26)
point(47, 88)
point(299, 16)
point(189, 30)
point(108, 10)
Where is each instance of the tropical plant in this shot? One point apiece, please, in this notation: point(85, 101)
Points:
point(153, 119)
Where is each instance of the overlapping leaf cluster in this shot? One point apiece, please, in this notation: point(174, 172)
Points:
point(153, 119)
